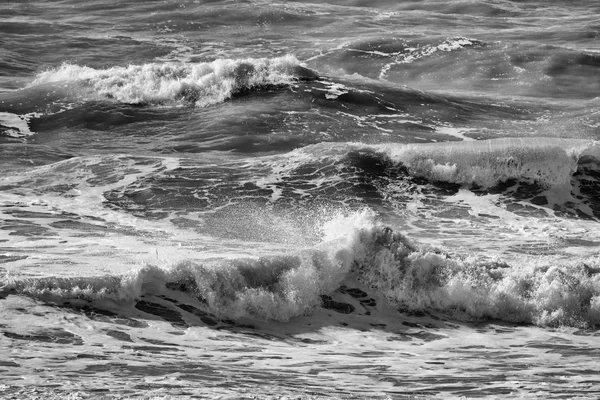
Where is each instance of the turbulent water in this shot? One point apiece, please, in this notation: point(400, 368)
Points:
point(257, 199)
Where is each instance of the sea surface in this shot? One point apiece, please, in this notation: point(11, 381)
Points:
point(312, 200)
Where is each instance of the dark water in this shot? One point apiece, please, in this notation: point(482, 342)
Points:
point(255, 158)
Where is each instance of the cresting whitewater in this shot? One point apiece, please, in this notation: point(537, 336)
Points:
point(263, 200)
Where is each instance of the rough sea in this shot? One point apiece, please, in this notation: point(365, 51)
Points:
point(299, 200)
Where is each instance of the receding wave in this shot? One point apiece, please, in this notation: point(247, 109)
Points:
point(199, 84)
point(356, 247)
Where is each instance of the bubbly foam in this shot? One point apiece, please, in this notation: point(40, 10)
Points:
point(200, 84)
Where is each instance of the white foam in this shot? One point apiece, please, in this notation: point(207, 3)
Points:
point(412, 54)
point(18, 123)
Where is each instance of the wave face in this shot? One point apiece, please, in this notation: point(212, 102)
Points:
point(199, 84)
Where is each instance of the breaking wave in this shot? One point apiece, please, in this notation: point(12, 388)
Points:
point(200, 84)
point(548, 162)
point(355, 246)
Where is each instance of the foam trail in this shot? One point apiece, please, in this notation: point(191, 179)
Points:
point(200, 84)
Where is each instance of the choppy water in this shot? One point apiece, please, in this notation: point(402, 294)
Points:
point(250, 199)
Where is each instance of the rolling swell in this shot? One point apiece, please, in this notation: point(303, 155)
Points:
point(354, 247)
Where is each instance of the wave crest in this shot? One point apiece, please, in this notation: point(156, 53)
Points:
point(200, 84)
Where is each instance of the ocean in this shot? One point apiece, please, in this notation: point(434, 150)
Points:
point(254, 199)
